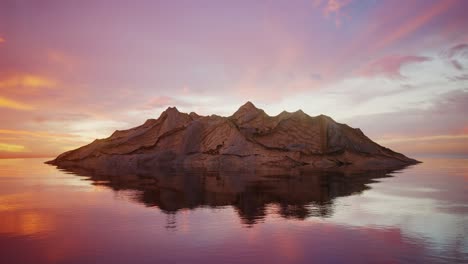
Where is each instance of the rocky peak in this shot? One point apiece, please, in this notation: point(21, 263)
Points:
point(326, 118)
point(173, 119)
point(171, 111)
point(247, 108)
point(194, 115)
point(248, 105)
point(300, 113)
point(246, 112)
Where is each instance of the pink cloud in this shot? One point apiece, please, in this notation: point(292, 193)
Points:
point(390, 66)
point(392, 27)
point(333, 8)
point(160, 101)
point(164, 101)
point(415, 23)
point(63, 60)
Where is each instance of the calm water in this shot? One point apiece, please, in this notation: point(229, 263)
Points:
point(417, 215)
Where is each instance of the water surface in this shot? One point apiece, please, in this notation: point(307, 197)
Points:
point(415, 215)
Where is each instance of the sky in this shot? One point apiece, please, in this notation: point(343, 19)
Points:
point(74, 71)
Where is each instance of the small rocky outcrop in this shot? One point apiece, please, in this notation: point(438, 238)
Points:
point(248, 140)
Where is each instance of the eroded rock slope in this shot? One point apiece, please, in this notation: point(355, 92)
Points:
point(249, 139)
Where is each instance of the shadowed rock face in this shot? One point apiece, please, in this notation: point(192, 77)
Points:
point(247, 140)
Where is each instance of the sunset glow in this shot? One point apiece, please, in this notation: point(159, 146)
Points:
point(71, 72)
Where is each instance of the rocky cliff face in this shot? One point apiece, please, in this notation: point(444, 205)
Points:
point(249, 139)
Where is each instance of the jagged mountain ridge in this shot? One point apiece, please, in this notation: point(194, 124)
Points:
point(248, 138)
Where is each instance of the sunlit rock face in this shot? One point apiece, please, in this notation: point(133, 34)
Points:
point(248, 140)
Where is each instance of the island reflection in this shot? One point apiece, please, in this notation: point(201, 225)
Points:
point(297, 195)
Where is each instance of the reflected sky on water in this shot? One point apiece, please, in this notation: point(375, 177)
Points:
point(418, 214)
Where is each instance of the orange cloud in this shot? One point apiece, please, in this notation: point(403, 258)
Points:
point(7, 103)
point(2, 40)
point(20, 91)
point(426, 138)
point(438, 144)
point(28, 144)
point(26, 80)
point(11, 147)
point(35, 133)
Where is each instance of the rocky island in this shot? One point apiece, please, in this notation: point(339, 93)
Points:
point(249, 139)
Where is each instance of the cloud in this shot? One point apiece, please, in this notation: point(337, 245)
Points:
point(415, 23)
point(433, 145)
point(60, 117)
point(388, 27)
point(164, 101)
point(334, 6)
point(424, 138)
point(2, 40)
point(23, 91)
point(26, 80)
point(15, 143)
point(8, 103)
point(390, 66)
point(63, 60)
point(160, 101)
point(457, 65)
point(437, 129)
point(446, 115)
point(333, 9)
point(459, 49)
point(4, 147)
point(35, 134)
point(454, 54)
point(316, 76)
point(463, 77)
point(365, 95)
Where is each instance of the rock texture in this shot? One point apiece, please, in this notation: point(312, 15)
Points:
point(249, 139)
